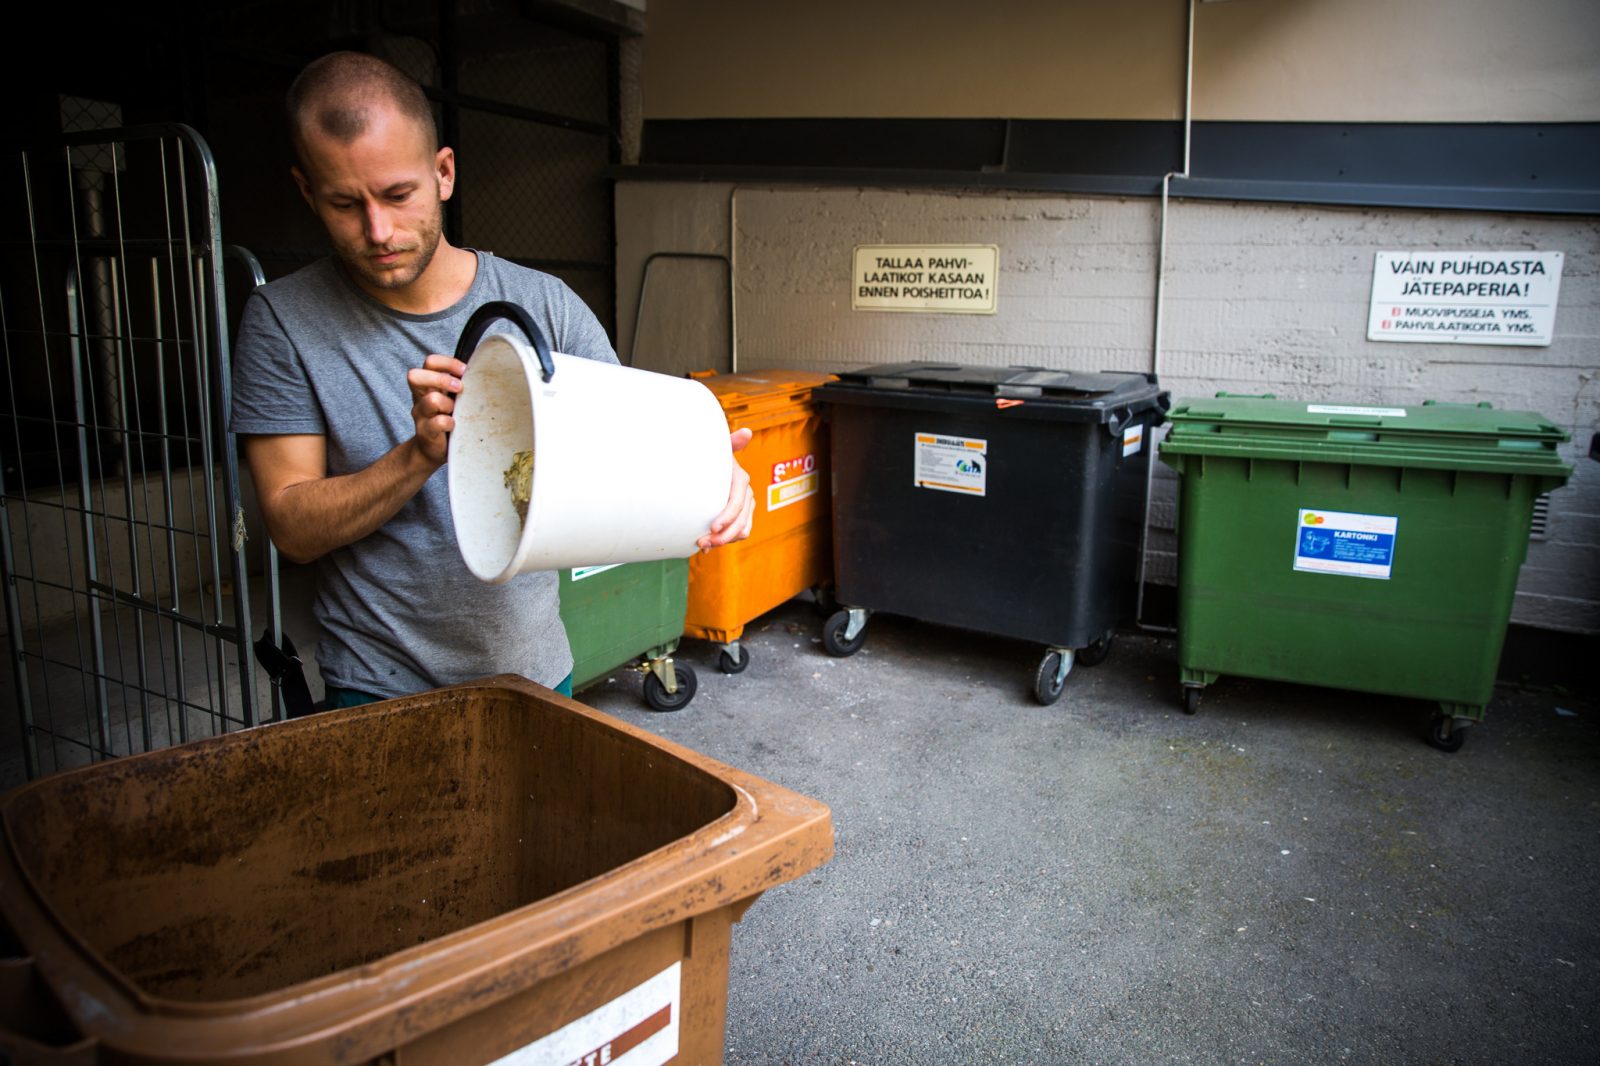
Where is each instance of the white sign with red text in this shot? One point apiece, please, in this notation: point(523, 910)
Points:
point(1465, 297)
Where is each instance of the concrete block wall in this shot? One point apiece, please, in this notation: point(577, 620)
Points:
point(1259, 298)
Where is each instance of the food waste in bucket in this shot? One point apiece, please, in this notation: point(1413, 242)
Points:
point(558, 461)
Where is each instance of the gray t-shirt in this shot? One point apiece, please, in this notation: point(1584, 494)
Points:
point(399, 610)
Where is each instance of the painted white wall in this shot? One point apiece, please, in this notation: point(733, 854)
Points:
point(1255, 60)
point(1260, 298)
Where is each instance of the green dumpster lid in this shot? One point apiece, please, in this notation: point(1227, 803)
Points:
point(1439, 435)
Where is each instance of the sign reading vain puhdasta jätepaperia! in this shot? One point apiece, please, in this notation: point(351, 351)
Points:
point(1464, 297)
point(949, 278)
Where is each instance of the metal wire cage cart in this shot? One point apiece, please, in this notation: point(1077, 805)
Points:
point(122, 532)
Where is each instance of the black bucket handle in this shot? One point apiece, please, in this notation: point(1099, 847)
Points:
point(479, 323)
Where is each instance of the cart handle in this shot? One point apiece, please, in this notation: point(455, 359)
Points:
point(478, 325)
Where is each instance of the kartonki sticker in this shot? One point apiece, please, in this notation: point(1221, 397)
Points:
point(1340, 542)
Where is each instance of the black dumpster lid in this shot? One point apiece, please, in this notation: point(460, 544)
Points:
point(1022, 382)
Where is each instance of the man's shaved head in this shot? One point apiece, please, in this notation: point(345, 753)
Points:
point(335, 96)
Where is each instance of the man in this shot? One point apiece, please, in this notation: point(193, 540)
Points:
point(344, 405)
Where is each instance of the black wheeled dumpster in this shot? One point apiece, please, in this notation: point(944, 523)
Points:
point(1008, 500)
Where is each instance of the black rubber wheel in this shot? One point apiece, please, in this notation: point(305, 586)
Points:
point(833, 641)
point(1444, 734)
point(1046, 688)
point(1191, 699)
point(1095, 653)
point(657, 696)
point(729, 665)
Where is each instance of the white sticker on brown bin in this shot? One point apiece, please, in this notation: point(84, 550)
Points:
point(638, 1028)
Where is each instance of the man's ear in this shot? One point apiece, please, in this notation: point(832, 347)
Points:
point(304, 185)
point(444, 165)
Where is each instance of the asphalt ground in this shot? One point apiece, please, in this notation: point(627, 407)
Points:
point(1290, 876)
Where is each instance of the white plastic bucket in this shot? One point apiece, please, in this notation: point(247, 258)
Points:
point(628, 465)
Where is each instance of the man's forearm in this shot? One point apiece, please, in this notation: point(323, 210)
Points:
point(310, 518)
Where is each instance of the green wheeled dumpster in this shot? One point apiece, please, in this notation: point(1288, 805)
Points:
point(1367, 548)
point(615, 614)
point(479, 874)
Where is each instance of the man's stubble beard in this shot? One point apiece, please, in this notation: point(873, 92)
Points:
point(357, 259)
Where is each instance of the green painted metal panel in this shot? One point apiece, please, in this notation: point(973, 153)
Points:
point(617, 613)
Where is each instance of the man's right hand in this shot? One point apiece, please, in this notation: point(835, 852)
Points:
point(309, 513)
point(434, 387)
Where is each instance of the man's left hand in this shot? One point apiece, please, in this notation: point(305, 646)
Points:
point(736, 519)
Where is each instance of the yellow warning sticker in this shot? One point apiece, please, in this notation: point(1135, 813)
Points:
point(792, 481)
point(783, 493)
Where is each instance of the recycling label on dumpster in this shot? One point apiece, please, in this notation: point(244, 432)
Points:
point(792, 481)
point(638, 1028)
point(951, 464)
point(1337, 542)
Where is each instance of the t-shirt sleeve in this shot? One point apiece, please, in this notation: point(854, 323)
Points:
point(581, 333)
point(271, 393)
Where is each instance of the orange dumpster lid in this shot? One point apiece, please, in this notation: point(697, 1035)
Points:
point(760, 389)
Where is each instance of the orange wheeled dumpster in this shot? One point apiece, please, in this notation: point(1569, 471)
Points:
point(789, 547)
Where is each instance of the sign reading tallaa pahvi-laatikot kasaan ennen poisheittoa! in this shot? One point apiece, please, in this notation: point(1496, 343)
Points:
point(948, 278)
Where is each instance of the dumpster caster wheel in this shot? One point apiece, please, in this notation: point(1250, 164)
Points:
point(657, 696)
point(729, 663)
point(1051, 677)
point(1096, 653)
point(1444, 734)
point(1191, 699)
point(834, 640)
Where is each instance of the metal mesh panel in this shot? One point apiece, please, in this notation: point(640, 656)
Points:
point(533, 186)
point(546, 69)
point(127, 603)
point(535, 192)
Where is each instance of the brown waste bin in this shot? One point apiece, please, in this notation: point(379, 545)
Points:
point(446, 878)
